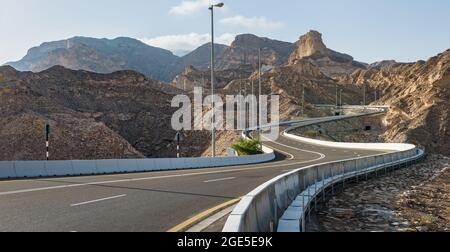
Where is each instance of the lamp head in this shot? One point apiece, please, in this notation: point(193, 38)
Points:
point(219, 5)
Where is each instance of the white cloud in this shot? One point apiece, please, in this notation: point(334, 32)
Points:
point(261, 23)
point(182, 43)
point(187, 7)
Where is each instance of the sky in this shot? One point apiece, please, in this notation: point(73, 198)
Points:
point(369, 30)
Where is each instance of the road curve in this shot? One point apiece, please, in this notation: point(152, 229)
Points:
point(155, 201)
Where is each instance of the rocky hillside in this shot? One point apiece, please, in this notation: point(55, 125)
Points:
point(419, 94)
point(118, 115)
point(312, 48)
point(192, 77)
point(288, 81)
point(200, 59)
point(244, 51)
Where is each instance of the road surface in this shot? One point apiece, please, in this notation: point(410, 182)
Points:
point(155, 201)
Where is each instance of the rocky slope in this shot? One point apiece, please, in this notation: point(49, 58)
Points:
point(118, 115)
point(288, 81)
point(200, 59)
point(312, 48)
point(419, 94)
point(192, 77)
point(244, 51)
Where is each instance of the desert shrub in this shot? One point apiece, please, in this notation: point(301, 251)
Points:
point(245, 147)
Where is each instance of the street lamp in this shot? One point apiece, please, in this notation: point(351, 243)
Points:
point(340, 100)
point(213, 130)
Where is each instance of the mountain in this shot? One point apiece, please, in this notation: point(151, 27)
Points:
point(192, 77)
point(311, 47)
point(288, 81)
point(419, 95)
point(244, 51)
point(200, 59)
point(98, 55)
point(107, 56)
point(92, 116)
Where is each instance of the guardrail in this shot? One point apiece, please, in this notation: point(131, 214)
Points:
point(32, 169)
point(282, 203)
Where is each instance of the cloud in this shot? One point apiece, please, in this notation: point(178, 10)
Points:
point(261, 23)
point(187, 7)
point(182, 43)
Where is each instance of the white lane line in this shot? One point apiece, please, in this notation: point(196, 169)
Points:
point(98, 200)
point(217, 180)
point(322, 156)
point(271, 165)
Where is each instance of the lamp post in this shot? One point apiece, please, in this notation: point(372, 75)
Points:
point(213, 130)
point(340, 101)
point(303, 100)
point(337, 101)
point(260, 93)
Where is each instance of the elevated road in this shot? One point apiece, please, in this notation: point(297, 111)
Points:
point(154, 201)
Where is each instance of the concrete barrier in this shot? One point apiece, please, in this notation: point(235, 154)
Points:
point(7, 170)
point(30, 169)
point(59, 168)
point(282, 203)
point(84, 167)
point(273, 205)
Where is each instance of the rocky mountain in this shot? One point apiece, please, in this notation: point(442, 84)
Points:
point(192, 77)
point(92, 116)
point(244, 51)
point(199, 59)
point(288, 81)
point(98, 55)
point(312, 48)
point(419, 94)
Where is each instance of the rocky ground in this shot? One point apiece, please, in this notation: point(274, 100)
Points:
point(414, 199)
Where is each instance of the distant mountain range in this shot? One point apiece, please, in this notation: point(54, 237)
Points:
point(106, 56)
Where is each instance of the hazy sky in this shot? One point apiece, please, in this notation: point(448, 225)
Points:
point(369, 30)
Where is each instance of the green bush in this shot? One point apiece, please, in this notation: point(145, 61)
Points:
point(247, 147)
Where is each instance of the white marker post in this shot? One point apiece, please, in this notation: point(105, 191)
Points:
point(178, 139)
point(47, 133)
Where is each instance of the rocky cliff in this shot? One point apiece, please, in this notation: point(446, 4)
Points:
point(244, 51)
point(312, 48)
point(419, 94)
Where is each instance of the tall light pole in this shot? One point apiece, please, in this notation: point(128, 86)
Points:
point(337, 100)
point(213, 127)
point(340, 100)
point(260, 93)
point(364, 93)
point(303, 100)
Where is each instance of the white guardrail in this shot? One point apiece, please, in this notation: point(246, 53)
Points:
point(282, 203)
point(32, 169)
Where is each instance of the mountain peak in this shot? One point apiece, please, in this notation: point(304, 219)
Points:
point(311, 44)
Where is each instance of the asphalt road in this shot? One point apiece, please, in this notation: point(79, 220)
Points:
point(155, 201)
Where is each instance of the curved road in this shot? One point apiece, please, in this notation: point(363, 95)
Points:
point(155, 201)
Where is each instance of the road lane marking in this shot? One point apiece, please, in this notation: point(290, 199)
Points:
point(322, 156)
point(98, 200)
point(190, 222)
point(272, 165)
point(217, 180)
